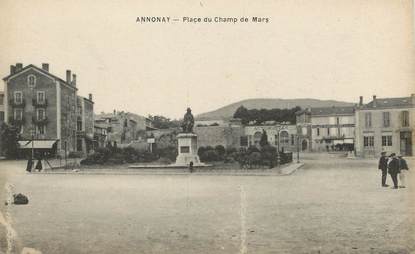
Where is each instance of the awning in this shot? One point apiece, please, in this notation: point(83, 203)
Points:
point(37, 144)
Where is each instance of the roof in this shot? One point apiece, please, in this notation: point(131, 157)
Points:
point(327, 111)
point(41, 71)
point(399, 102)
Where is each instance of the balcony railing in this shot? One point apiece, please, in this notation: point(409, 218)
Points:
point(16, 122)
point(16, 104)
point(38, 104)
point(42, 121)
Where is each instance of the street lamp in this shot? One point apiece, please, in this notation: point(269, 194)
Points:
point(298, 148)
point(32, 134)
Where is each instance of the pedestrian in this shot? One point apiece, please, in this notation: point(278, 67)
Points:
point(383, 165)
point(29, 165)
point(393, 169)
point(191, 167)
point(403, 166)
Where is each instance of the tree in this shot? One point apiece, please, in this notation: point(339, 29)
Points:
point(10, 136)
point(161, 122)
point(264, 139)
point(242, 113)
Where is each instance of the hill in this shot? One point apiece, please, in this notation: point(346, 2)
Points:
point(227, 112)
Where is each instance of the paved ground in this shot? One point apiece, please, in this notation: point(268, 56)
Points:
point(331, 205)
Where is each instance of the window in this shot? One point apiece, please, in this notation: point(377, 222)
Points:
point(244, 141)
point(40, 114)
point(318, 131)
point(284, 138)
point(1, 99)
point(328, 131)
point(368, 141)
point(368, 119)
point(31, 81)
point(338, 120)
point(405, 118)
point(41, 129)
point(292, 139)
point(387, 140)
point(18, 97)
point(18, 114)
point(79, 126)
point(386, 119)
point(1, 116)
point(40, 97)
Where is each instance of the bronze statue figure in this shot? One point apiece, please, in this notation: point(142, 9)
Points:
point(188, 122)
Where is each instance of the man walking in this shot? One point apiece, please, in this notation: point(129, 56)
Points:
point(393, 168)
point(403, 166)
point(383, 165)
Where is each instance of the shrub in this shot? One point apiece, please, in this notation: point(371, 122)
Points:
point(129, 154)
point(75, 154)
point(209, 155)
point(220, 150)
point(169, 153)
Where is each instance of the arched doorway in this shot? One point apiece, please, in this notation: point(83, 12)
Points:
point(304, 145)
point(257, 138)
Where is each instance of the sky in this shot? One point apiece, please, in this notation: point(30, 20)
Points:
point(309, 49)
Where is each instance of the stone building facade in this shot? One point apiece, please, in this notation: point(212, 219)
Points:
point(42, 105)
point(385, 124)
point(327, 128)
point(123, 127)
point(282, 136)
point(1, 118)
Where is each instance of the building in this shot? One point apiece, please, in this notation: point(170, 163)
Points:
point(385, 124)
point(100, 135)
point(85, 124)
point(224, 135)
point(281, 135)
point(43, 107)
point(123, 127)
point(1, 118)
point(327, 128)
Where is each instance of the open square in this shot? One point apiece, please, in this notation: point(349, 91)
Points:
point(331, 205)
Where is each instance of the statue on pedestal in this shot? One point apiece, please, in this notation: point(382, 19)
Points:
point(188, 122)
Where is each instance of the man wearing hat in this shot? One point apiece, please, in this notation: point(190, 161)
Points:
point(383, 165)
point(393, 168)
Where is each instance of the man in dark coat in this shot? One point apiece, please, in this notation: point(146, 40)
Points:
point(403, 168)
point(383, 165)
point(393, 168)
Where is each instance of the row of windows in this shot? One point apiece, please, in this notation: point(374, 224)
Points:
point(40, 97)
point(369, 141)
point(404, 116)
point(40, 130)
point(18, 114)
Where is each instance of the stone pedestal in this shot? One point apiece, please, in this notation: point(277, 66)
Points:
point(187, 148)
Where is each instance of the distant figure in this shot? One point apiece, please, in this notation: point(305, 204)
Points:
point(191, 167)
point(403, 168)
point(393, 168)
point(39, 165)
point(29, 165)
point(188, 122)
point(383, 165)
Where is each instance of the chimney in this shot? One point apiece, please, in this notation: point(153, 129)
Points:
point(19, 67)
point(114, 112)
point(361, 101)
point(90, 96)
point(374, 101)
point(45, 67)
point(68, 76)
point(12, 69)
point(74, 80)
point(413, 98)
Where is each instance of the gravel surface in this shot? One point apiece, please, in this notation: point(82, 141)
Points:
point(330, 205)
